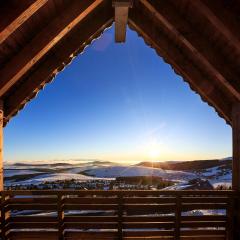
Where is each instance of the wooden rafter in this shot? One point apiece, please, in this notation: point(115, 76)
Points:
point(212, 62)
point(218, 24)
point(200, 82)
point(121, 18)
point(21, 18)
point(44, 41)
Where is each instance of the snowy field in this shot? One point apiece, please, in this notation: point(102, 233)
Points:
point(122, 171)
point(26, 174)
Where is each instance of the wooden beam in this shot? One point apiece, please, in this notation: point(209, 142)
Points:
point(1, 146)
point(44, 41)
point(121, 19)
point(218, 24)
point(21, 18)
point(181, 63)
point(236, 146)
point(57, 59)
point(198, 45)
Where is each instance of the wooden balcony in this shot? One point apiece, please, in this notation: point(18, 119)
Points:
point(119, 215)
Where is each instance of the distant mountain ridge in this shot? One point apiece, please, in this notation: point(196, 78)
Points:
point(22, 165)
point(42, 164)
point(194, 165)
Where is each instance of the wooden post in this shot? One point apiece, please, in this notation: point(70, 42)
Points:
point(236, 147)
point(1, 146)
point(237, 221)
point(4, 214)
point(60, 217)
point(236, 163)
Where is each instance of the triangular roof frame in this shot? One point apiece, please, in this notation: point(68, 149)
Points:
point(199, 39)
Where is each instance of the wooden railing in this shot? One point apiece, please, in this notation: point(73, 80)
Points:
point(119, 215)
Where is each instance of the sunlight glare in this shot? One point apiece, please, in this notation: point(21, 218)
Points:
point(154, 153)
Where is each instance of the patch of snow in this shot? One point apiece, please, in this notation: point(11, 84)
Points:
point(224, 180)
point(211, 171)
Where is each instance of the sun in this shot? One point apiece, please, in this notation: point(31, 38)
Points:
point(154, 153)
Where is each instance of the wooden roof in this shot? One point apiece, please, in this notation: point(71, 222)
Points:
point(200, 39)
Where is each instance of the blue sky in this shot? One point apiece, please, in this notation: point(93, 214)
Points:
point(118, 102)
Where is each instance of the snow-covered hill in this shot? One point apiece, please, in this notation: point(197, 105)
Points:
point(123, 171)
point(53, 177)
point(217, 172)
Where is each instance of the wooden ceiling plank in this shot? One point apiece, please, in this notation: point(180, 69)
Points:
point(170, 19)
point(121, 19)
point(43, 42)
point(51, 66)
point(183, 66)
point(218, 23)
point(21, 18)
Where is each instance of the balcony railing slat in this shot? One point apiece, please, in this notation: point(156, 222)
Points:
point(118, 215)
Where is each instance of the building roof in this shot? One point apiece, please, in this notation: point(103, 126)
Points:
point(199, 39)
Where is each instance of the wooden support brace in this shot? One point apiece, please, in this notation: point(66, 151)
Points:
point(121, 19)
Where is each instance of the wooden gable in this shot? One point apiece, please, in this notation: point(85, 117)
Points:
point(200, 39)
